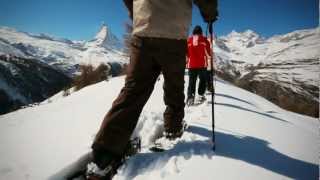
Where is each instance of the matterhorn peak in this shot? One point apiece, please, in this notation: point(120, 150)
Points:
point(105, 38)
point(103, 33)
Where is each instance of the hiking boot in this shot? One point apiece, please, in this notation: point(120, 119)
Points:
point(201, 98)
point(95, 173)
point(105, 164)
point(168, 140)
point(178, 134)
point(103, 167)
point(190, 101)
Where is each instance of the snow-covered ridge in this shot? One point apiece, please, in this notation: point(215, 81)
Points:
point(289, 61)
point(255, 139)
point(251, 48)
point(62, 53)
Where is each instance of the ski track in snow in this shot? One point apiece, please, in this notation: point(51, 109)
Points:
point(255, 139)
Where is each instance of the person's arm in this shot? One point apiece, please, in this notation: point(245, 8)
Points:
point(210, 53)
point(208, 47)
point(187, 54)
point(208, 9)
point(129, 5)
point(208, 56)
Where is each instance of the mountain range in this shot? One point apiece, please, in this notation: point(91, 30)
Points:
point(284, 68)
point(36, 66)
point(60, 53)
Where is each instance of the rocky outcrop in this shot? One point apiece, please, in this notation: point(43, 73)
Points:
point(296, 96)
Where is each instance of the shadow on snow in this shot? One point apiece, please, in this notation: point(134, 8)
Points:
point(245, 148)
point(249, 110)
point(234, 98)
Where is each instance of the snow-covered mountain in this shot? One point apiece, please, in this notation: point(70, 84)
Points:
point(63, 53)
point(105, 47)
point(28, 56)
point(106, 39)
point(25, 81)
point(283, 68)
point(255, 139)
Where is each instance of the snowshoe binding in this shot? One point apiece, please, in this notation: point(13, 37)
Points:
point(96, 173)
point(109, 164)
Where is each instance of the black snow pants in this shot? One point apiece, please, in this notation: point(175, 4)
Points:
point(193, 75)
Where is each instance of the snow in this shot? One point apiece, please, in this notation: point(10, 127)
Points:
point(255, 139)
point(43, 46)
point(301, 44)
point(104, 48)
point(289, 60)
point(105, 38)
point(5, 48)
point(96, 55)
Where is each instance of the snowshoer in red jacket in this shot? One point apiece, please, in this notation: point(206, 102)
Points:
point(197, 63)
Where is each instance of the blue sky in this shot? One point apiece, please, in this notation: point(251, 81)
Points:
point(81, 19)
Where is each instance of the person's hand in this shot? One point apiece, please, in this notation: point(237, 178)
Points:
point(209, 18)
point(208, 10)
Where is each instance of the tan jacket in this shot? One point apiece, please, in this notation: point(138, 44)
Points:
point(162, 18)
point(166, 18)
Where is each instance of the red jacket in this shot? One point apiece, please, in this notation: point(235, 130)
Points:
point(198, 52)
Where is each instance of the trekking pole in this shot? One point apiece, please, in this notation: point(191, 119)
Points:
point(212, 74)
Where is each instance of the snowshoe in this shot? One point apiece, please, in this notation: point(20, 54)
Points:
point(93, 172)
point(190, 101)
point(200, 99)
point(168, 140)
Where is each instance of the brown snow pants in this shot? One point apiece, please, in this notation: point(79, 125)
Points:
point(149, 57)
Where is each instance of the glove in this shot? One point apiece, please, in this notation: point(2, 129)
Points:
point(208, 10)
point(209, 18)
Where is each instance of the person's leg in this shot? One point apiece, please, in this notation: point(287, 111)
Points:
point(203, 81)
point(120, 121)
point(172, 62)
point(209, 81)
point(192, 82)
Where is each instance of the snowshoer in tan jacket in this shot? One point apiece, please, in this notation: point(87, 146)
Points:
point(158, 45)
